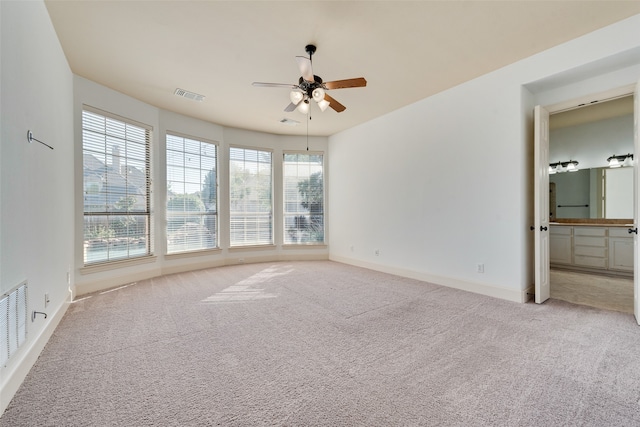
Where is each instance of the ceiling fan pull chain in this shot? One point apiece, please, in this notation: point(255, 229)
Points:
point(308, 130)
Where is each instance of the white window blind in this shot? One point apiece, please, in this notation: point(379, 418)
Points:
point(116, 178)
point(250, 197)
point(303, 198)
point(192, 189)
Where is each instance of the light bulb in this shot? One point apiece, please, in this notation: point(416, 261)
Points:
point(572, 167)
point(614, 162)
point(552, 170)
point(318, 94)
point(304, 107)
point(323, 104)
point(296, 97)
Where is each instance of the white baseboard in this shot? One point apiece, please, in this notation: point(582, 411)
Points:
point(120, 280)
point(246, 259)
point(478, 288)
point(529, 293)
point(17, 368)
point(115, 281)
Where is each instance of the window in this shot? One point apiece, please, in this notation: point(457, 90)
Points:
point(303, 198)
point(192, 191)
point(116, 178)
point(250, 200)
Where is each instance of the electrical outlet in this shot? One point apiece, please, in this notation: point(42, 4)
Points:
point(480, 268)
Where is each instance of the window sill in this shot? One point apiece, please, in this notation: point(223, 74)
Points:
point(113, 265)
point(305, 246)
point(252, 248)
point(189, 254)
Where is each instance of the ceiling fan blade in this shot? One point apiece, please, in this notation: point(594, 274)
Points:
point(304, 64)
point(260, 84)
point(291, 107)
point(341, 84)
point(334, 104)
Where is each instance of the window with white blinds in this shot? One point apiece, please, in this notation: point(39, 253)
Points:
point(192, 191)
point(117, 182)
point(303, 198)
point(250, 197)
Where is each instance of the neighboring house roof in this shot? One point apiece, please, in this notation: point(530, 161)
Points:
point(114, 185)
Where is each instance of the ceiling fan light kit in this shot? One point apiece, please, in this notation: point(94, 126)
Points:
point(318, 94)
point(311, 86)
point(296, 96)
point(303, 107)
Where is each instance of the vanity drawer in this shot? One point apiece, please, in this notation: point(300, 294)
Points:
point(620, 232)
point(590, 231)
point(595, 251)
point(589, 241)
point(560, 230)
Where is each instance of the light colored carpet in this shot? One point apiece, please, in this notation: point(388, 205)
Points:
point(325, 344)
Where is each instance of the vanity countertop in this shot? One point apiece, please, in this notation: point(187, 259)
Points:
point(591, 224)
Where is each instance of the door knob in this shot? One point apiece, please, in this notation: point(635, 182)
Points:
point(633, 230)
point(543, 228)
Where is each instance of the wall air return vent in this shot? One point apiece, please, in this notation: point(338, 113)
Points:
point(13, 321)
point(189, 95)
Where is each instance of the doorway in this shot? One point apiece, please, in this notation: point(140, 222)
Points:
point(541, 198)
point(591, 204)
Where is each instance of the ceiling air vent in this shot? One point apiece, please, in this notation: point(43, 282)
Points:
point(289, 122)
point(189, 95)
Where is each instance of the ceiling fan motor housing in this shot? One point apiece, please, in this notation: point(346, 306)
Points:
point(309, 87)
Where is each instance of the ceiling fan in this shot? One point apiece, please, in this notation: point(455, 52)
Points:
point(311, 86)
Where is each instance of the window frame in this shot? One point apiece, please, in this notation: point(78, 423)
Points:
point(215, 215)
point(285, 213)
point(230, 202)
point(108, 213)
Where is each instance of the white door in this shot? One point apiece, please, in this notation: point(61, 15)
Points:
point(636, 203)
point(541, 204)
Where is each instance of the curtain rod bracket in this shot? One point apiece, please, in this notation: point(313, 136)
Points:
point(30, 138)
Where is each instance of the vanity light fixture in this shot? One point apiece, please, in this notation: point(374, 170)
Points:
point(620, 161)
point(558, 167)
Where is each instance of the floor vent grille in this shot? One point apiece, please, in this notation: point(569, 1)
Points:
point(13, 321)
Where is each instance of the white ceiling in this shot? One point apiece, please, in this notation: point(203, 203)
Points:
point(592, 113)
point(407, 50)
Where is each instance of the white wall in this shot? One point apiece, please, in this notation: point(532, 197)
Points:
point(619, 193)
point(36, 213)
point(592, 143)
point(102, 277)
point(444, 184)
